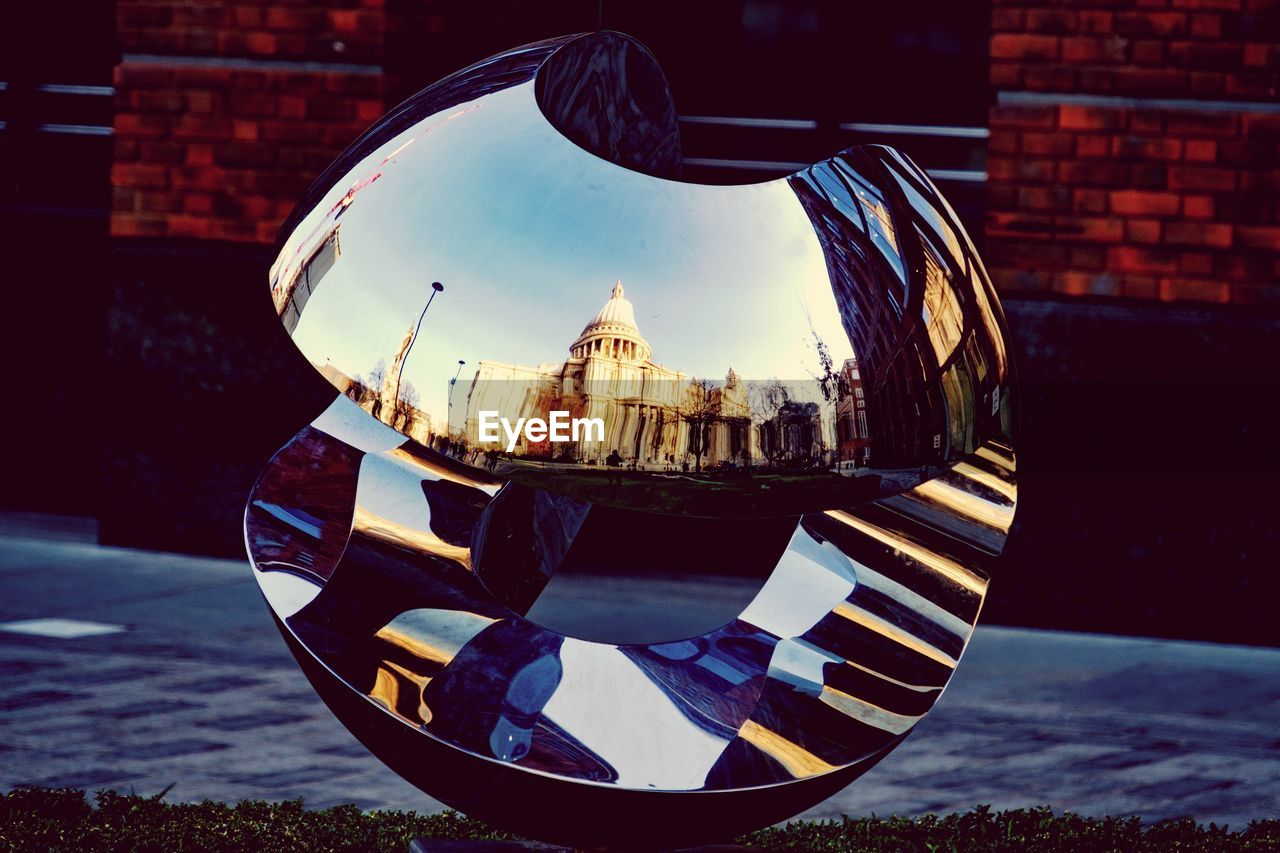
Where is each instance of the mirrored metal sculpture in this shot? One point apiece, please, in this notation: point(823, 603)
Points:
point(557, 364)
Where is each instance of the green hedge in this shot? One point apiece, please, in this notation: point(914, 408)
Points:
point(39, 819)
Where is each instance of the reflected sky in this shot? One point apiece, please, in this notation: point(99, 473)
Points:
point(528, 233)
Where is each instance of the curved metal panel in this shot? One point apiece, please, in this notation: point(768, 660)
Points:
point(816, 363)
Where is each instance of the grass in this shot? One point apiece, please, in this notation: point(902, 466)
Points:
point(41, 819)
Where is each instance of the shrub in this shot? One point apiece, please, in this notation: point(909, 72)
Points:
point(41, 819)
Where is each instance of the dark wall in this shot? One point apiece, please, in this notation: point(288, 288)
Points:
point(202, 388)
point(1147, 471)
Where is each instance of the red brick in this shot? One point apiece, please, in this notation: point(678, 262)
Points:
point(1086, 284)
point(1261, 126)
point(1201, 124)
point(1093, 174)
point(1201, 178)
point(125, 199)
point(1139, 203)
point(1197, 206)
point(130, 75)
point(199, 154)
point(242, 104)
point(1147, 121)
point(138, 175)
point(1208, 82)
point(1023, 46)
point(1197, 263)
point(1261, 85)
point(1205, 55)
point(1001, 169)
point(1093, 146)
point(1216, 235)
point(344, 20)
point(1020, 225)
point(1262, 55)
point(1151, 23)
point(159, 201)
point(1044, 198)
point(1193, 290)
point(1087, 257)
point(137, 225)
point(1146, 175)
point(1091, 21)
point(132, 124)
point(1148, 52)
point(1006, 74)
point(1242, 265)
point(1142, 230)
point(1250, 293)
point(1075, 117)
point(1135, 259)
point(245, 131)
point(125, 149)
point(1050, 78)
point(288, 106)
point(1089, 201)
point(1146, 148)
point(1003, 142)
point(262, 43)
point(143, 15)
point(1141, 287)
point(1055, 21)
point(1202, 150)
point(1253, 237)
point(188, 226)
point(1091, 229)
point(196, 178)
point(1206, 26)
point(1151, 81)
point(152, 101)
point(1048, 144)
point(202, 77)
point(1008, 20)
point(1109, 49)
point(1096, 80)
point(201, 127)
point(1198, 5)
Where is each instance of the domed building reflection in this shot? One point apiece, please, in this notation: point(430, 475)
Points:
point(655, 418)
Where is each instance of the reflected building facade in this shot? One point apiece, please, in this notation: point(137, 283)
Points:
point(852, 431)
point(655, 418)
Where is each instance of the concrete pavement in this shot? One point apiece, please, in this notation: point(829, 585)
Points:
point(168, 673)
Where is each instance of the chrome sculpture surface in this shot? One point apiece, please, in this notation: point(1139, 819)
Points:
point(819, 407)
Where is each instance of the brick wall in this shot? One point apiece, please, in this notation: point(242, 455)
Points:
point(226, 112)
point(1135, 149)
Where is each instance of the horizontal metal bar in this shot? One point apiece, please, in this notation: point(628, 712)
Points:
point(69, 89)
point(753, 165)
point(917, 130)
point(76, 89)
point(968, 176)
point(956, 175)
point(251, 64)
point(1036, 99)
point(77, 129)
point(772, 123)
